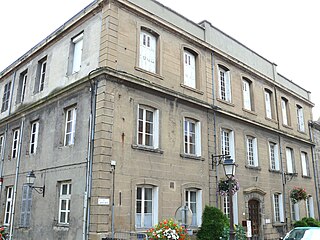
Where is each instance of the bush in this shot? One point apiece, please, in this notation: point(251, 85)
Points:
point(307, 222)
point(240, 233)
point(213, 224)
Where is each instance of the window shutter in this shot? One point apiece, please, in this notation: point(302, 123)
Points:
point(296, 211)
point(255, 152)
point(311, 208)
point(304, 164)
point(276, 156)
point(77, 53)
point(156, 129)
point(246, 95)
point(268, 104)
point(300, 119)
point(199, 207)
point(26, 206)
point(231, 143)
point(189, 69)
point(281, 213)
point(235, 208)
point(228, 86)
point(198, 138)
point(148, 45)
point(155, 207)
point(284, 112)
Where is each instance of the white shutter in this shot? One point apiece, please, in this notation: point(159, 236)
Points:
point(255, 152)
point(155, 207)
point(189, 69)
point(300, 119)
point(289, 160)
point(198, 138)
point(228, 86)
point(311, 208)
point(231, 145)
point(276, 156)
point(156, 129)
point(284, 112)
point(281, 210)
point(296, 212)
point(235, 208)
point(304, 164)
point(77, 53)
point(268, 104)
point(246, 95)
point(199, 207)
point(148, 45)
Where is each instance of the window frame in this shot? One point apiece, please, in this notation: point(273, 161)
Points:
point(197, 204)
point(68, 141)
point(42, 73)
point(8, 207)
point(274, 156)
point(6, 96)
point(224, 84)
point(34, 134)
point(154, 206)
point(252, 151)
point(247, 95)
point(285, 111)
point(227, 147)
point(76, 53)
point(67, 198)
point(187, 144)
point(278, 210)
point(15, 143)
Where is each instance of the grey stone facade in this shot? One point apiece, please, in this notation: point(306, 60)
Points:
point(113, 96)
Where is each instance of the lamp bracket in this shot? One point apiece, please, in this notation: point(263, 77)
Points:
point(219, 159)
point(289, 176)
point(40, 190)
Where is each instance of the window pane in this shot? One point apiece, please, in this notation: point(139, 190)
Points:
point(63, 217)
point(148, 193)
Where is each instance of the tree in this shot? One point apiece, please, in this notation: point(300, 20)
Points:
point(213, 223)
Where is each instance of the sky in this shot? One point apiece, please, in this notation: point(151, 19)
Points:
point(285, 32)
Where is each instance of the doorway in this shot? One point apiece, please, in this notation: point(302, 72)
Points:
point(254, 216)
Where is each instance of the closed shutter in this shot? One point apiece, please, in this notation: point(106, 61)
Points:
point(289, 160)
point(189, 69)
point(147, 59)
point(246, 95)
point(268, 104)
point(26, 206)
point(284, 111)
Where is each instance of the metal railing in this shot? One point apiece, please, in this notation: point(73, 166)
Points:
point(126, 236)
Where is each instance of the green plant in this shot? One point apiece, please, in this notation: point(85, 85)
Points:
point(240, 233)
point(213, 224)
point(3, 232)
point(168, 229)
point(297, 194)
point(307, 222)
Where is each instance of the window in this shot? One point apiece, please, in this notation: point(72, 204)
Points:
point(193, 199)
point(227, 143)
point(146, 206)
point(6, 96)
point(224, 84)
point(15, 143)
point(189, 68)
point(309, 207)
point(34, 137)
point(285, 111)
point(7, 212)
point(278, 207)
point(148, 50)
point(268, 102)
point(290, 160)
point(226, 206)
point(70, 126)
point(300, 118)
point(192, 137)
point(148, 127)
point(1, 145)
point(274, 156)
point(295, 211)
point(41, 75)
point(22, 87)
point(64, 203)
point(26, 206)
point(252, 152)
point(76, 53)
point(247, 92)
point(305, 164)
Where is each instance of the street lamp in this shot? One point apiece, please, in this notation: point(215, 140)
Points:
point(229, 169)
point(31, 177)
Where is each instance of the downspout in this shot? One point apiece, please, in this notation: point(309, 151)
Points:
point(214, 164)
point(283, 177)
point(16, 180)
point(2, 157)
point(315, 167)
point(87, 195)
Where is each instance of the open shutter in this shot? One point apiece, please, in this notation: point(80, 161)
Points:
point(246, 95)
point(228, 86)
point(281, 213)
point(296, 212)
point(198, 138)
point(289, 160)
point(268, 104)
point(284, 112)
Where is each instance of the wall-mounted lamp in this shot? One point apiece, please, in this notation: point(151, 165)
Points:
point(289, 176)
point(30, 181)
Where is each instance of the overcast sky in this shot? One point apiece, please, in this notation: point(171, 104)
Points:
point(286, 32)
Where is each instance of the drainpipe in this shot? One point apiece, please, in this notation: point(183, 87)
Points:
point(16, 180)
point(315, 167)
point(87, 195)
point(2, 156)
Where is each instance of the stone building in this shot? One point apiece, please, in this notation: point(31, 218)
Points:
point(121, 114)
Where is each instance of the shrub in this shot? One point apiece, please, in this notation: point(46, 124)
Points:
point(213, 224)
point(307, 222)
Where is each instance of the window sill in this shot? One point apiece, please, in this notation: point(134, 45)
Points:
point(193, 157)
point(61, 227)
point(192, 89)
point(250, 111)
point(302, 132)
point(274, 171)
point(149, 73)
point(307, 177)
point(225, 102)
point(287, 126)
point(147, 149)
point(278, 224)
point(253, 167)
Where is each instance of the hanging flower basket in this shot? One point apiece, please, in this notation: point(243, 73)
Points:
point(223, 187)
point(297, 194)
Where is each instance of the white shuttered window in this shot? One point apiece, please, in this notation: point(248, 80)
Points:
point(147, 58)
